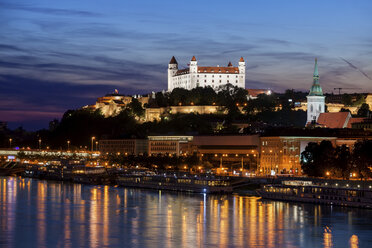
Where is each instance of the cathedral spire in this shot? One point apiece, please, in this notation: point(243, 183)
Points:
point(315, 89)
point(316, 73)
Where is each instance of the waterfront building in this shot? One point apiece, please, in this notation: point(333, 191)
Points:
point(241, 150)
point(315, 99)
point(282, 154)
point(281, 150)
point(203, 76)
point(169, 145)
point(123, 146)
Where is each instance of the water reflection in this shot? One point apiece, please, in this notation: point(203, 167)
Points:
point(37, 213)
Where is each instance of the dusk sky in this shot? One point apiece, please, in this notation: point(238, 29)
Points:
point(59, 55)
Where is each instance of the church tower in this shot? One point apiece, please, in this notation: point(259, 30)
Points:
point(315, 99)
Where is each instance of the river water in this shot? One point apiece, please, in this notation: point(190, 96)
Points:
point(37, 213)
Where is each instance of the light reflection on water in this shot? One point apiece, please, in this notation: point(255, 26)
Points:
point(37, 213)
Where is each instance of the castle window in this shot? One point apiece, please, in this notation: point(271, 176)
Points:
point(197, 75)
point(220, 81)
point(220, 76)
point(212, 81)
point(212, 75)
point(320, 108)
point(197, 81)
point(236, 81)
point(205, 81)
point(205, 75)
point(236, 76)
point(227, 80)
point(227, 75)
point(311, 108)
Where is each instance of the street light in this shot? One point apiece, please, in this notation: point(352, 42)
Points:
point(96, 145)
point(10, 143)
point(68, 145)
point(39, 144)
point(93, 138)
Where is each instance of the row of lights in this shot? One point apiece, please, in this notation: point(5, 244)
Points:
point(347, 185)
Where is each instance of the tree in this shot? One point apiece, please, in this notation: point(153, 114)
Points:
point(135, 108)
point(344, 110)
point(347, 100)
point(317, 159)
point(343, 161)
point(161, 100)
point(362, 158)
point(363, 111)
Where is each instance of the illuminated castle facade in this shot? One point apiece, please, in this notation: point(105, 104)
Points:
point(202, 76)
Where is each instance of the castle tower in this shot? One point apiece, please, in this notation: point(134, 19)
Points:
point(172, 69)
point(241, 73)
point(315, 99)
point(193, 71)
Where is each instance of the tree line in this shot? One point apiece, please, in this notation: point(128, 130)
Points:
point(326, 160)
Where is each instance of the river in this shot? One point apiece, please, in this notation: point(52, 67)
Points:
point(37, 213)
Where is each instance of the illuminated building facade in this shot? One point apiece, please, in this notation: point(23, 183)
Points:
point(241, 150)
point(123, 146)
point(112, 104)
point(203, 76)
point(169, 145)
point(282, 154)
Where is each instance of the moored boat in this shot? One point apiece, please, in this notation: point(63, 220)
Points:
point(341, 196)
point(183, 183)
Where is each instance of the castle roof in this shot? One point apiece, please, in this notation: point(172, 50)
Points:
point(193, 58)
point(217, 69)
point(182, 71)
point(229, 64)
point(241, 59)
point(173, 61)
point(211, 69)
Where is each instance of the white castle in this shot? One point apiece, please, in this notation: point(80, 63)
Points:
point(202, 76)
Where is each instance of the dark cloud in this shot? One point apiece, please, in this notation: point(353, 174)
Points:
point(5, 47)
point(49, 11)
point(275, 41)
